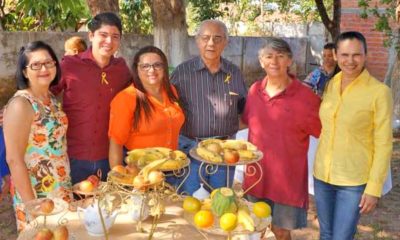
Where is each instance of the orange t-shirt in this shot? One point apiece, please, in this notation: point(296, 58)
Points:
point(162, 130)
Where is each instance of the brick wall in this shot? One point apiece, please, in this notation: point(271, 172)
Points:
point(377, 54)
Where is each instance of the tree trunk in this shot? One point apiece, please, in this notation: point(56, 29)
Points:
point(170, 29)
point(99, 6)
point(333, 26)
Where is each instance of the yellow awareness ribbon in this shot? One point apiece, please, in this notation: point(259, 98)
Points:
point(227, 79)
point(103, 78)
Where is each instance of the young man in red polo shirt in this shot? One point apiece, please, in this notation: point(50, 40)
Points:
point(89, 82)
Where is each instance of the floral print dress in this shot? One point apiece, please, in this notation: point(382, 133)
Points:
point(46, 154)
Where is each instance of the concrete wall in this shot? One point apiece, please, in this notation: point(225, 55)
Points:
point(241, 50)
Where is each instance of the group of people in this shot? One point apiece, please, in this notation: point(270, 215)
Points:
point(108, 109)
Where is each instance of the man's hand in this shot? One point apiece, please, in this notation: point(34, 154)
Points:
point(367, 203)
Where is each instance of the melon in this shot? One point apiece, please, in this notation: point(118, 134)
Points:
point(223, 201)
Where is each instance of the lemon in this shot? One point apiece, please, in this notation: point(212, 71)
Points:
point(191, 204)
point(204, 219)
point(228, 221)
point(261, 209)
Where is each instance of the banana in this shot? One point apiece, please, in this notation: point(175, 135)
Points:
point(239, 145)
point(145, 156)
point(170, 164)
point(134, 155)
point(208, 155)
point(178, 155)
point(163, 150)
point(206, 142)
point(152, 166)
point(246, 154)
point(245, 219)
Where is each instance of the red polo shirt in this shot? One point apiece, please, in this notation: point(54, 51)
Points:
point(88, 91)
point(280, 127)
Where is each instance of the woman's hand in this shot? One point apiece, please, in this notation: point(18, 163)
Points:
point(367, 203)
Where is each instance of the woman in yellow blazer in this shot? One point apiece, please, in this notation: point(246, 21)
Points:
point(355, 144)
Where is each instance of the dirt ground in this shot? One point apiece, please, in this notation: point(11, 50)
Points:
point(383, 223)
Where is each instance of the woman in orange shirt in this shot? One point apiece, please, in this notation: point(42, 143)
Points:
point(147, 113)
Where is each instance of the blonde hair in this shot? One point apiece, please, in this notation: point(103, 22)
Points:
point(74, 45)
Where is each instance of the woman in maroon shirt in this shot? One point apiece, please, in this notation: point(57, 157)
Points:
point(281, 114)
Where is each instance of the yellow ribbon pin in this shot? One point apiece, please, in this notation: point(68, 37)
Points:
point(103, 78)
point(227, 79)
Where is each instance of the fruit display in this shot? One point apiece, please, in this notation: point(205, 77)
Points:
point(174, 160)
point(224, 212)
point(227, 151)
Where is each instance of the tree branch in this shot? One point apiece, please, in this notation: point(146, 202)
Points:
point(333, 26)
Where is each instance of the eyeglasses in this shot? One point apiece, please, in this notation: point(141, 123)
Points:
point(38, 65)
point(156, 66)
point(216, 39)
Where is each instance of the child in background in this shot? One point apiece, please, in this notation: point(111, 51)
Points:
point(74, 45)
point(4, 171)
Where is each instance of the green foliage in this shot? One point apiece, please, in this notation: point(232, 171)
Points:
point(43, 15)
point(205, 9)
point(136, 16)
point(384, 17)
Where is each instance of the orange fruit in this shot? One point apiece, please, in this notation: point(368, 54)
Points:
point(204, 219)
point(191, 204)
point(261, 209)
point(228, 221)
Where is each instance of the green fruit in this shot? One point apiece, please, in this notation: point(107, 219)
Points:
point(223, 201)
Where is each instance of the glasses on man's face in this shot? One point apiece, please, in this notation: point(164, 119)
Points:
point(156, 66)
point(38, 65)
point(216, 38)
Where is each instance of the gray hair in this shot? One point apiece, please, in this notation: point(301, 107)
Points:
point(277, 44)
point(215, 22)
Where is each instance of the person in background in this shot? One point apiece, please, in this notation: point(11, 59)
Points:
point(355, 145)
point(212, 91)
point(74, 45)
point(281, 114)
point(35, 131)
point(318, 78)
point(89, 82)
point(147, 113)
point(4, 170)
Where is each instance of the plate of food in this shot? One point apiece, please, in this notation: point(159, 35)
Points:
point(46, 206)
point(225, 213)
point(226, 152)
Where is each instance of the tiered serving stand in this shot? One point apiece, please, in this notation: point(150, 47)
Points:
point(153, 195)
point(252, 167)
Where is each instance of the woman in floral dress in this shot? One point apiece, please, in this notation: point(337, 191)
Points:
point(35, 131)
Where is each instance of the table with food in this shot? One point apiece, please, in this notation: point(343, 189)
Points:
point(137, 202)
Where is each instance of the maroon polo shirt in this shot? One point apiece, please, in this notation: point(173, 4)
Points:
point(88, 91)
point(280, 127)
